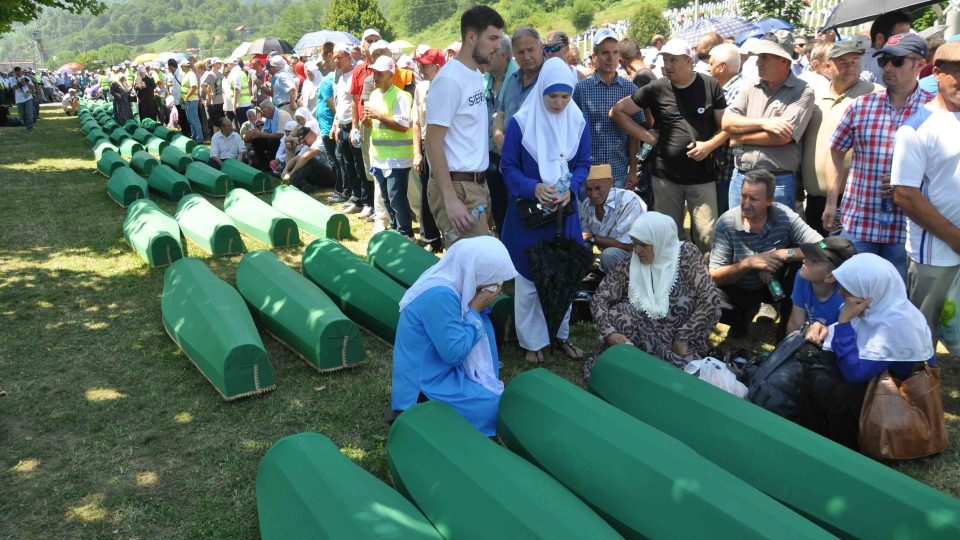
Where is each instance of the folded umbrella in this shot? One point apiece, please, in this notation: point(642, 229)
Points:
point(851, 12)
point(725, 26)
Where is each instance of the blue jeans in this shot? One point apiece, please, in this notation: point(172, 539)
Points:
point(785, 192)
point(896, 254)
point(193, 116)
point(26, 113)
point(393, 189)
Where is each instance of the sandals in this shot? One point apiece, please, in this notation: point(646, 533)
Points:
point(533, 357)
point(569, 349)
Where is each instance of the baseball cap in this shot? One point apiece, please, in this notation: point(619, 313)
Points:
point(778, 43)
point(846, 47)
point(832, 249)
point(604, 34)
point(369, 32)
point(214, 60)
point(384, 63)
point(904, 44)
point(432, 56)
point(378, 45)
point(277, 61)
point(455, 46)
point(341, 48)
point(405, 61)
point(421, 48)
point(677, 47)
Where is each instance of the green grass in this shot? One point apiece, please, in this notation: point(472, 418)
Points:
point(107, 430)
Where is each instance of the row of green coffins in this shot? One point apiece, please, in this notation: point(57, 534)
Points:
point(652, 451)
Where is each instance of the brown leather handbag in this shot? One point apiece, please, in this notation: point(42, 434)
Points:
point(903, 419)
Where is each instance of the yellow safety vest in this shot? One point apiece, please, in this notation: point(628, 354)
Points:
point(188, 77)
point(244, 95)
point(388, 143)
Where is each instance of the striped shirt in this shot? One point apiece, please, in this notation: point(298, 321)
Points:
point(733, 241)
point(621, 209)
point(608, 143)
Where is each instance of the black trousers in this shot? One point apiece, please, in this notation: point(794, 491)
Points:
point(340, 185)
point(182, 120)
point(215, 113)
point(264, 150)
point(316, 173)
point(739, 306)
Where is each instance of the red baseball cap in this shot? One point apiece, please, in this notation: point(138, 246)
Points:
point(432, 56)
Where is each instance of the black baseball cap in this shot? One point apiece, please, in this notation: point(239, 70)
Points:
point(832, 249)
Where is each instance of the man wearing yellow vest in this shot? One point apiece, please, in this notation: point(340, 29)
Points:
point(239, 82)
point(190, 97)
point(387, 113)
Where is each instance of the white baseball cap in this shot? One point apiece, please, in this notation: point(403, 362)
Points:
point(378, 45)
point(369, 32)
point(677, 47)
point(604, 34)
point(277, 61)
point(384, 63)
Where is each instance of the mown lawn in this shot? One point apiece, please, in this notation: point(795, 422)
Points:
point(107, 430)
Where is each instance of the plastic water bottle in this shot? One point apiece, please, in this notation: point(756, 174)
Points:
point(476, 211)
point(355, 138)
point(776, 290)
point(644, 152)
point(886, 211)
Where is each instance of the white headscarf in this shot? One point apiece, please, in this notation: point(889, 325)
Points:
point(650, 284)
point(468, 264)
point(891, 329)
point(305, 113)
point(310, 88)
point(552, 139)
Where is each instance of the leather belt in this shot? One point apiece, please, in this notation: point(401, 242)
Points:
point(475, 177)
point(281, 105)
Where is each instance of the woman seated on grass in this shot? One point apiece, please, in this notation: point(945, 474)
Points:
point(660, 299)
point(878, 330)
point(445, 347)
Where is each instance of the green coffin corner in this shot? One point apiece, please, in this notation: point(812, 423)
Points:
point(307, 489)
point(95, 135)
point(297, 313)
point(368, 297)
point(208, 319)
point(129, 147)
point(118, 135)
point(183, 143)
point(310, 214)
point(170, 184)
point(207, 226)
point(163, 133)
point(143, 163)
point(109, 126)
point(131, 125)
point(175, 158)
point(206, 179)
point(246, 177)
point(125, 186)
point(201, 153)
point(404, 261)
point(109, 162)
point(845, 492)
point(649, 484)
point(260, 220)
point(149, 124)
point(102, 146)
point(155, 145)
point(152, 233)
point(470, 487)
point(142, 136)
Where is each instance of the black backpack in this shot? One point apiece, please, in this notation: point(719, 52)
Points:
point(775, 385)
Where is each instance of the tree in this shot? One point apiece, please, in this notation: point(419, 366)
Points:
point(581, 14)
point(788, 10)
point(20, 11)
point(646, 21)
point(300, 18)
point(113, 53)
point(355, 16)
point(412, 16)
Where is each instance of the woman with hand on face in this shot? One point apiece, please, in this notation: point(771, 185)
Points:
point(446, 349)
point(660, 299)
point(545, 140)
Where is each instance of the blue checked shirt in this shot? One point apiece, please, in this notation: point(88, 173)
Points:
point(608, 143)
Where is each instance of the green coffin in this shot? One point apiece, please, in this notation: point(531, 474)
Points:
point(109, 162)
point(845, 492)
point(311, 215)
point(131, 125)
point(260, 220)
point(402, 260)
point(125, 186)
point(307, 489)
point(88, 126)
point(109, 126)
point(183, 143)
point(142, 136)
point(207, 226)
point(175, 158)
point(96, 135)
point(103, 145)
point(470, 487)
point(129, 147)
point(118, 135)
point(201, 153)
point(368, 297)
point(649, 484)
point(246, 177)
point(163, 133)
point(206, 179)
point(143, 163)
point(168, 183)
point(297, 313)
point(152, 233)
point(208, 320)
point(149, 124)
point(155, 145)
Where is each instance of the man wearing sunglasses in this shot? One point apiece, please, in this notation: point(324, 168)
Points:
point(869, 218)
point(926, 180)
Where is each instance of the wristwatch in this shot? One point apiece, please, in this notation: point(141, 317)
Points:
point(790, 255)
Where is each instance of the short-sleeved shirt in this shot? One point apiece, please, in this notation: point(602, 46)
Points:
point(324, 112)
point(512, 95)
point(173, 81)
point(608, 143)
point(189, 80)
point(360, 74)
point(698, 101)
point(419, 115)
point(824, 312)
point(733, 241)
point(456, 102)
point(22, 88)
point(927, 156)
point(276, 123)
point(621, 209)
point(344, 99)
point(792, 101)
point(213, 81)
point(868, 127)
point(226, 147)
point(283, 83)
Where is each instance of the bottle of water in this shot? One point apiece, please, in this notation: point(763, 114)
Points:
point(476, 211)
point(886, 211)
point(644, 152)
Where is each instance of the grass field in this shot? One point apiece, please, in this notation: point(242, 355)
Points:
point(107, 430)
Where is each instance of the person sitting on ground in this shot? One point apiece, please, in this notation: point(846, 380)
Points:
point(310, 168)
point(225, 144)
point(266, 140)
point(816, 294)
point(246, 132)
point(878, 330)
point(446, 349)
point(173, 116)
point(71, 103)
point(606, 214)
point(660, 299)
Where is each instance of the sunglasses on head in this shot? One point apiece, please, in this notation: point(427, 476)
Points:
point(553, 48)
point(896, 60)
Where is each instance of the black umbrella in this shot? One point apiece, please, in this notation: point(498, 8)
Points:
point(851, 12)
point(269, 45)
point(558, 267)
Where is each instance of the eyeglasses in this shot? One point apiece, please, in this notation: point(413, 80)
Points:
point(553, 48)
point(897, 61)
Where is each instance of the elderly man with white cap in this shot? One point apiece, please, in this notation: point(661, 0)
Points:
point(283, 84)
point(211, 85)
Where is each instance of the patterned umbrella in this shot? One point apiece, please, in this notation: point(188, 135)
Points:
point(725, 26)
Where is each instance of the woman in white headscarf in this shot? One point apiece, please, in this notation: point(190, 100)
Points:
point(544, 142)
point(311, 84)
point(445, 348)
point(661, 298)
point(878, 330)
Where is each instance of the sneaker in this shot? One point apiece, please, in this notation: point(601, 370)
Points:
point(350, 209)
point(367, 211)
point(379, 227)
point(767, 312)
point(336, 198)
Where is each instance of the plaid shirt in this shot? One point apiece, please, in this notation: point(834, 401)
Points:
point(868, 127)
point(608, 143)
point(725, 157)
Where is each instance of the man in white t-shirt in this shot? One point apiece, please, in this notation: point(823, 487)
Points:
point(225, 144)
point(926, 180)
point(349, 157)
point(457, 129)
point(23, 89)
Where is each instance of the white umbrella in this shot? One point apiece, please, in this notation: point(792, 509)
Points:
point(241, 50)
point(401, 45)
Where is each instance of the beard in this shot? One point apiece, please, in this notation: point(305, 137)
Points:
point(479, 59)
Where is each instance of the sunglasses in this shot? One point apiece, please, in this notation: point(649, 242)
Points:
point(553, 48)
point(897, 61)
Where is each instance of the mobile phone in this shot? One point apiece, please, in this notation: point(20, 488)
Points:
point(491, 288)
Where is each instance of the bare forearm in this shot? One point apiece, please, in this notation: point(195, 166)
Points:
point(729, 274)
point(438, 165)
point(631, 128)
point(604, 242)
point(758, 138)
point(832, 175)
point(497, 128)
point(392, 124)
point(718, 140)
point(633, 146)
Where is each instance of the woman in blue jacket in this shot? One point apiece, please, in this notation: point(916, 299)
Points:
point(544, 142)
